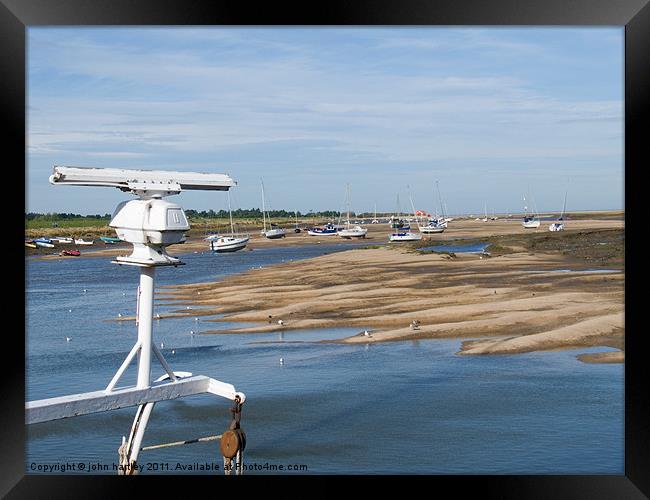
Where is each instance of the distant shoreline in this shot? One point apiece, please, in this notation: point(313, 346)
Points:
point(377, 234)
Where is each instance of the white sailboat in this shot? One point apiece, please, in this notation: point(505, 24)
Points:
point(438, 223)
point(297, 229)
point(348, 231)
point(396, 222)
point(406, 235)
point(274, 231)
point(442, 220)
point(375, 220)
point(559, 226)
point(530, 221)
point(221, 243)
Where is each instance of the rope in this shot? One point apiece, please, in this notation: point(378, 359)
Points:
point(179, 443)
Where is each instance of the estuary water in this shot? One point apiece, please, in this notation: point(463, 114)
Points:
point(413, 407)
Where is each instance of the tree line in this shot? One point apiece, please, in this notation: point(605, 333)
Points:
point(61, 215)
point(251, 213)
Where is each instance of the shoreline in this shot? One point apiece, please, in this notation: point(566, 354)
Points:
point(377, 235)
point(510, 301)
point(494, 305)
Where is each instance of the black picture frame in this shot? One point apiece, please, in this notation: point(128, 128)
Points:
point(17, 15)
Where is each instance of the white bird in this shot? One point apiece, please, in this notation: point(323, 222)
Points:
point(199, 293)
point(157, 316)
point(281, 361)
point(191, 332)
point(119, 315)
point(196, 319)
point(123, 294)
point(188, 307)
point(366, 333)
point(68, 339)
point(69, 310)
point(85, 290)
point(162, 345)
point(173, 351)
point(280, 322)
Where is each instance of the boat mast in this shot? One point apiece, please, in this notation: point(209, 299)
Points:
point(434, 205)
point(413, 207)
point(525, 208)
point(263, 207)
point(398, 209)
point(232, 228)
point(564, 206)
point(348, 198)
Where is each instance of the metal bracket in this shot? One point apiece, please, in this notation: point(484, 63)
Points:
point(44, 410)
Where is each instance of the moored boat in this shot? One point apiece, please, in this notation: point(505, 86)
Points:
point(530, 221)
point(232, 243)
point(220, 243)
point(349, 232)
point(71, 253)
point(434, 226)
point(275, 231)
point(353, 232)
point(110, 240)
point(43, 242)
point(62, 240)
point(405, 236)
point(81, 241)
point(328, 229)
point(559, 226)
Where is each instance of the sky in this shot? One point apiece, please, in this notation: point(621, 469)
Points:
point(490, 114)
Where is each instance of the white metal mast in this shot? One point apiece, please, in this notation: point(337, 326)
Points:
point(263, 207)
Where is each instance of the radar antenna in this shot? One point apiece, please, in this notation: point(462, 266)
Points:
point(150, 224)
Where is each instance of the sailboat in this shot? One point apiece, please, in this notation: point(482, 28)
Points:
point(296, 229)
point(485, 219)
point(559, 226)
point(406, 234)
point(350, 232)
point(437, 224)
point(375, 220)
point(396, 222)
point(530, 221)
point(220, 243)
point(443, 219)
point(274, 231)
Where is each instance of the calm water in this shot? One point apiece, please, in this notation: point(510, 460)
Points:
point(468, 248)
point(409, 407)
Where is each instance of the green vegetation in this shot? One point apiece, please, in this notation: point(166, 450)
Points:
point(598, 246)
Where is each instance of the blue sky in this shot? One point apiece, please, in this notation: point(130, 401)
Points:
point(490, 113)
